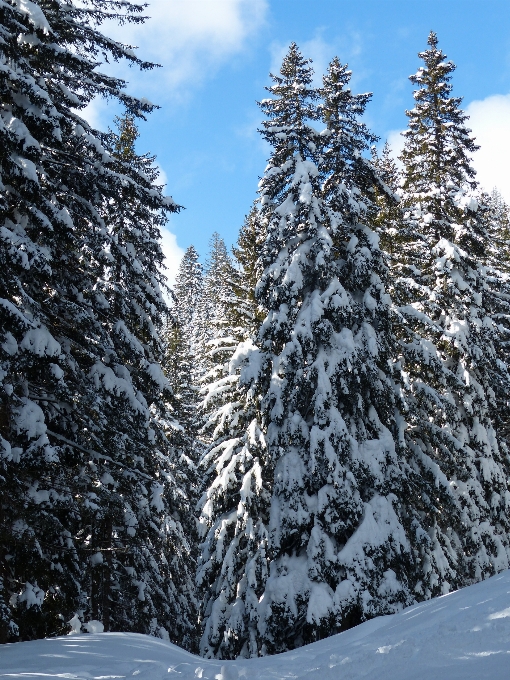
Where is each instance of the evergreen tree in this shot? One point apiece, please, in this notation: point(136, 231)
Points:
point(145, 560)
point(448, 342)
point(181, 366)
point(243, 311)
point(328, 397)
point(212, 306)
point(388, 221)
point(232, 566)
point(216, 341)
point(188, 294)
point(317, 465)
point(182, 339)
point(495, 214)
point(82, 389)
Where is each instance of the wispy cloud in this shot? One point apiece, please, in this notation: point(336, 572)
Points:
point(320, 51)
point(173, 254)
point(190, 39)
point(396, 142)
point(489, 121)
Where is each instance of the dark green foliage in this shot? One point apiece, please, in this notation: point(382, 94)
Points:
point(448, 341)
point(91, 527)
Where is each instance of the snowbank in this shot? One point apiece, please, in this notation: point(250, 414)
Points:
point(461, 636)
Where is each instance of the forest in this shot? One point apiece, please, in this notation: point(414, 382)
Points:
point(299, 435)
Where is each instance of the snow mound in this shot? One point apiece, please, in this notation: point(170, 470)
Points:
point(461, 636)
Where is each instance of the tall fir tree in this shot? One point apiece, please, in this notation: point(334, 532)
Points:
point(232, 566)
point(327, 399)
point(182, 334)
point(79, 363)
point(143, 581)
point(317, 465)
point(496, 220)
point(447, 342)
point(243, 311)
point(388, 220)
point(183, 350)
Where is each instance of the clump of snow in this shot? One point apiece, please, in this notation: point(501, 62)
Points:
point(34, 13)
point(94, 627)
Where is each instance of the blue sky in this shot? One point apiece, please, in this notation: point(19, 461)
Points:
point(216, 56)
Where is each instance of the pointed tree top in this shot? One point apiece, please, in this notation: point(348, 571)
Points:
point(295, 67)
point(432, 40)
point(126, 137)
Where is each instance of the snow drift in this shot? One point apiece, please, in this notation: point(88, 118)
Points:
point(461, 636)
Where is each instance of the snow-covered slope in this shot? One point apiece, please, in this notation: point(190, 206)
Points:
point(461, 636)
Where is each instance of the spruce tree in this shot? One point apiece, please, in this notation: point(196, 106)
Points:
point(243, 311)
point(388, 220)
point(212, 322)
point(187, 299)
point(318, 461)
point(447, 342)
point(81, 384)
point(328, 397)
point(52, 237)
point(183, 348)
point(181, 336)
point(496, 219)
point(232, 566)
point(146, 560)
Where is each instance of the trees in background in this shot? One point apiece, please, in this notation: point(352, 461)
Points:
point(363, 411)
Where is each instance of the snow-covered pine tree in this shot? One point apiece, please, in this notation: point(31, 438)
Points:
point(496, 219)
point(243, 312)
point(182, 334)
point(216, 342)
point(339, 551)
point(57, 177)
point(234, 507)
point(428, 496)
point(321, 394)
point(186, 307)
point(212, 322)
point(141, 580)
point(389, 216)
point(51, 240)
point(448, 342)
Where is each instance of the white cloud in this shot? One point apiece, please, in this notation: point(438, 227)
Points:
point(189, 38)
point(490, 122)
point(173, 254)
point(162, 179)
point(396, 142)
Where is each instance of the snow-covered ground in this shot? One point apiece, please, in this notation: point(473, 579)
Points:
point(461, 636)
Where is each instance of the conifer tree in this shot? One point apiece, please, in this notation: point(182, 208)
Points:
point(328, 398)
point(243, 312)
point(388, 221)
point(216, 341)
point(76, 357)
point(448, 342)
point(212, 306)
point(183, 348)
point(146, 560)
point(495, 214)
point(234, 503)
point(330, 548)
